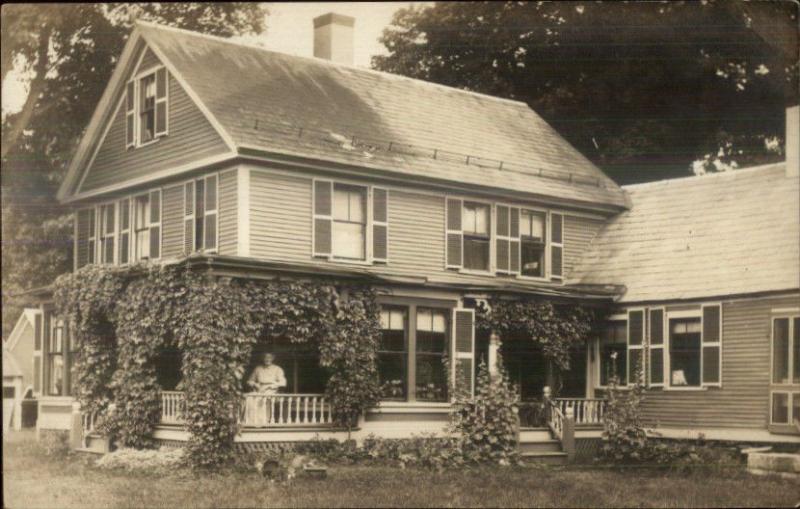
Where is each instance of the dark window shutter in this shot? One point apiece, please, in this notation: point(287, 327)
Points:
point(323, 220)
point(155, 224)
point(502, 255)
point(161, 102)
point(464, 349)
point(161, 118)
point(502, 221)
point(514, 244)
point(380, 225)
point(556, 245)
point(188, 218)
point(82, 240)
point(130, 98)
point(161, 83)
point(455, 242)
point(712, 345)
point(502, 261)
point(210, 232)
point(656, 326)
point(210, 201)
point(635, 327)
point(657, 366)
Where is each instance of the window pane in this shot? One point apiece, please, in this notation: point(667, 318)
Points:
point(482, 220)
point(780, 408)
point(525, 223)
point(684, 351)
point(634, 362)
point(780, 351)
point(476, 253)
point(392, 374)
point(431, 378)
point(56, 375)
point(357, 207)
point(341, 204)
point(532, 258)
point(349, 240)
point(532, 224)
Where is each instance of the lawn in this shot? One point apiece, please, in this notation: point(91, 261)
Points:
point(33, 479)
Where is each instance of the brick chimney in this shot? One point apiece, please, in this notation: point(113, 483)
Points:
point(333, 38)
point(793, 141)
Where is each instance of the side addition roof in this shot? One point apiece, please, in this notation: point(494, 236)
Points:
point(284, 105)
point(724, 234)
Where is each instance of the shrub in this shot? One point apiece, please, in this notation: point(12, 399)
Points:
point(487, 422)
point(146, 460)
point(624, 436)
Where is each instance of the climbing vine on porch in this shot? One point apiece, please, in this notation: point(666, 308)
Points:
point(555, 328)
point(215, 322)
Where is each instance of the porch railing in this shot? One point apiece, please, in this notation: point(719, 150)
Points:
point(261, 410)
point(88, 422)
point(171, 407)
point(587, 411)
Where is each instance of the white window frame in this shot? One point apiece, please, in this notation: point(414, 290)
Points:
point(619, 317)
point(679, 315)
point(367, 224)
point(136, 112)
point(492, 268)
point(783, 388)
point(134, 227)
point(193, 215)
point(546, 272)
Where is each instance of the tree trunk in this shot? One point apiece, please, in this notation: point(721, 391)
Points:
point(37, 86)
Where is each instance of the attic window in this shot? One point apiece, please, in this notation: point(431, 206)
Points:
point(146, 117)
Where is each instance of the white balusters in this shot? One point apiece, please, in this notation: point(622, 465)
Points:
point(586, 411)
point(171, 407)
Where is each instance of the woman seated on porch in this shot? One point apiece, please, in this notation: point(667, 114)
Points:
point(265, 380)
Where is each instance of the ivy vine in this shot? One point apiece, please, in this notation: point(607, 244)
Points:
point(123, 317)
point(557, 329)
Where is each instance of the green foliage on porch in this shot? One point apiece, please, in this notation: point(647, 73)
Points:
point(555, 328)
point(123, 317)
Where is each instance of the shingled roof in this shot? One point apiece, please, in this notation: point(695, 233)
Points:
point(312, 108)
point(713, 235)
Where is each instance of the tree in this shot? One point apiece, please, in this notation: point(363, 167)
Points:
point(643, 88)
point(67, 53)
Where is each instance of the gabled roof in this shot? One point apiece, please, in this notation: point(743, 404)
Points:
point(26, 318)
point(714, 235)
point(278, 104)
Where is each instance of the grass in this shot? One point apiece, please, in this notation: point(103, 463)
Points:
point(32, 479)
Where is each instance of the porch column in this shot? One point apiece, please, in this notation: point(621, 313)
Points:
point(494, 353)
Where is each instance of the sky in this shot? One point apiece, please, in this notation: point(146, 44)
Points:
point(290, 29)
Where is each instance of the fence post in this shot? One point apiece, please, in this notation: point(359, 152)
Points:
point(76, 427)
point(568, 434)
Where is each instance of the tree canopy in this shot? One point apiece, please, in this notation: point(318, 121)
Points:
point(66, 54)
point(644, 89)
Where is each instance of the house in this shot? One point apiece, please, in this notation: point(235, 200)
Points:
point(256, 164)
point(21, 367)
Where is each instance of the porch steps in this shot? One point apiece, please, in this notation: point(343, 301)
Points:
point(537, 445)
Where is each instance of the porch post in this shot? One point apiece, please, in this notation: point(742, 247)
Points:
point(76, 427)
point(494, 352)
point(590, 359)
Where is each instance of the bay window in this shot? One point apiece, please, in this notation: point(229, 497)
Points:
point(200, 214)
point(349, 222)
point(476, 235)
point(532, 237)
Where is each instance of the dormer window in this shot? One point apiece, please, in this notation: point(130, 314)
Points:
point(476, 236)
point(532, 238)
point(146, 112)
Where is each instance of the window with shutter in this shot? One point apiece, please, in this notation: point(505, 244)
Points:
point(533, 236)
point(712, 345)
point(147, 107)
point(656, 347)
point(556, 246)
point(464, 349)
point(124, 230)
point(380, 225)
point(108, 233)
point(323, 218)
point(636, 330)
point(453, 234)
point(349, 225)
point(210, 215)
point(476, 236)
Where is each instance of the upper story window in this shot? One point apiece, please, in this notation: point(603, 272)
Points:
point(349, 222)
point(146, 111)
point(533, 240)
point(475, 226)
